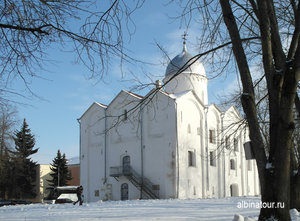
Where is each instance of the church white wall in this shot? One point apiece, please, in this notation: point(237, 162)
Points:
point(92, 149)
point(235, 178)
point(148, 137)
point(190, 125)
point(158, 140)
point(189, 81)
point(215, 170)
point(123, 139)
point(243, 179)
point(252, 187)
point(159, 143)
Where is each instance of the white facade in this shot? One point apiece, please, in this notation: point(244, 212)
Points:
point(167, 144)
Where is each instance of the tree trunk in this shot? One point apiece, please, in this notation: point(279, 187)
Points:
point(275, 185)
point(274, 173)
point(295, 179)
point(297, 104)
point(295, 192)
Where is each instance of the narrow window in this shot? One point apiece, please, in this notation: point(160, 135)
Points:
point(236, 144)
point(212, 158)
point(189, 129)
point(212, 136)
point(227, 142)
point(191, 159)
point(198, 131)
point(125, 115)
point(155, 187)
point(249, 165)
point(232, 164)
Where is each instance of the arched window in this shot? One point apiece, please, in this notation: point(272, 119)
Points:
point(126, 165)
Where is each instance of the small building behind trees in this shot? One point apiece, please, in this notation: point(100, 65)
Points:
point(44, 187)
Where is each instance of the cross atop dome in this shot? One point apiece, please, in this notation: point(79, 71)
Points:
point(185, 63)
point(184, 37)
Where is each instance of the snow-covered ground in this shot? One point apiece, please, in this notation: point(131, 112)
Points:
point(200, 209)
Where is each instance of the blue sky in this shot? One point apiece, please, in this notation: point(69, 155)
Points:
point(66, 92)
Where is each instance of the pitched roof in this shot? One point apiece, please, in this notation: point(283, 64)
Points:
point(93, 104)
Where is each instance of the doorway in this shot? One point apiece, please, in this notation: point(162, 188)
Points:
point(234, 190)
point(124, 191)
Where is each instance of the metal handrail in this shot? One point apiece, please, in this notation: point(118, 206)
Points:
point(145, 184)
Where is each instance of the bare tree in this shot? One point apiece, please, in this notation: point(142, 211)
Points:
point(97, 30)
point(7, 124)
point(266, 34)
point(254, 32)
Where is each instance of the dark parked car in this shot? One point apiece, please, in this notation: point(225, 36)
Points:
point(13, 202)
point(5, 202)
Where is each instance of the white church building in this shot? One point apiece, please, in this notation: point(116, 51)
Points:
point(169, 143)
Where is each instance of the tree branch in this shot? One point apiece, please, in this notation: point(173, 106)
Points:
point(20, 28)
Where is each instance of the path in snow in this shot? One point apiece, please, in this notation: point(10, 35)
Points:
point(199, 209)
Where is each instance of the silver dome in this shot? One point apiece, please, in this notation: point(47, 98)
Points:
point(184, 61)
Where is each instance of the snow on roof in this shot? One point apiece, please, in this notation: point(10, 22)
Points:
point(180, 94)
point(94, 103)
point(73, 160)
point(66, 187)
